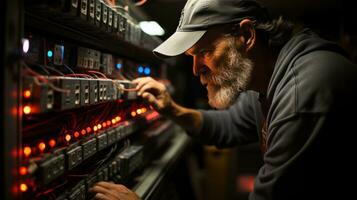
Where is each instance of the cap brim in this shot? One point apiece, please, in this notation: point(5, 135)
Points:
point(178, 43)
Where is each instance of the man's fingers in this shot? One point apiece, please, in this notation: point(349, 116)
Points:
point(142, 81)
point(112, 186)
point(151, 99)
point(101, 196)
point(105, 184)
point(137, 80)
point(105, 190)
point(111, 191)
point(149, 86)
point(99, 189)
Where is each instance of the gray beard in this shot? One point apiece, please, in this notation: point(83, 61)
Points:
point(232, 78)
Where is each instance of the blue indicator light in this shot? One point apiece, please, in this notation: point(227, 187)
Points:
point(147, 71)
point(49, 53)
point(118, 65)
point(140, 69)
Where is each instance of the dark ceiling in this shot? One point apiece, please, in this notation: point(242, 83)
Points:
point(165, 12)
point(326, 15)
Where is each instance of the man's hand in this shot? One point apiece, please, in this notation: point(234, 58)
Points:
point(154, 93)
point(111, 191)
point(157, 95)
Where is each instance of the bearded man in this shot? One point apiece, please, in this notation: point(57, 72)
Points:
point(273, 81)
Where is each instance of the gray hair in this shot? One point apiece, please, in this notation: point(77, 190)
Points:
point(276, 32)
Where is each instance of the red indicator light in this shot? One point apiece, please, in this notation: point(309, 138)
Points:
point(27, 151)
point(109, 122)
point(104, 124)
point(42, 146)
point(27, 94)
point(152, 116)
point(23, 170)
point(76, 134)
point(89, 129)
point(52, 143)
point(83, 132)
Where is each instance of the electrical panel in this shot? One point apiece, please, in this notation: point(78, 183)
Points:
point(81, 119)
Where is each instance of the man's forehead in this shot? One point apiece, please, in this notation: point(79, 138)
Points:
point(207, 40)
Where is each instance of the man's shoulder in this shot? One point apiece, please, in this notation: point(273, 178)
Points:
point(316, 81)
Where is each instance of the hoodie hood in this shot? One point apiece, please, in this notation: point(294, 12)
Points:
point(299, 45)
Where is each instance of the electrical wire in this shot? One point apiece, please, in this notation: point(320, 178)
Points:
point(140, 3)
point(121, 76)
point(68, 68)
point(50, 190)
point(52, 69)
point(39, 77)
point(99, 73)
point(42, 68)
point(100, 163)
point(79, 75)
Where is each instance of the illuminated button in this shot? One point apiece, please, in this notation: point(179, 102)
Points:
point(133, 114)
point(147, 71)
point(27, 94)
point(89, 129)
point(27, 151)
point(76, 134)
point(27, 110)
point(23, 187)
point(52, 143)
point(83, 132)
point(23, 170)
point(49, 53)
point(140, 69)
point(117, 118)
point(42, 146)
point(118, 66)
point(68, 137)
point(25, 45)
point(114, 121)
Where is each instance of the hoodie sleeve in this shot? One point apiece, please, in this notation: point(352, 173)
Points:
point(234, 126)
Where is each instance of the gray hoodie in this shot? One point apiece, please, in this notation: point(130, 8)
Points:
point(311, 123)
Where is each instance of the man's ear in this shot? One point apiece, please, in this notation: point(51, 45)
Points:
point(247, 34)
